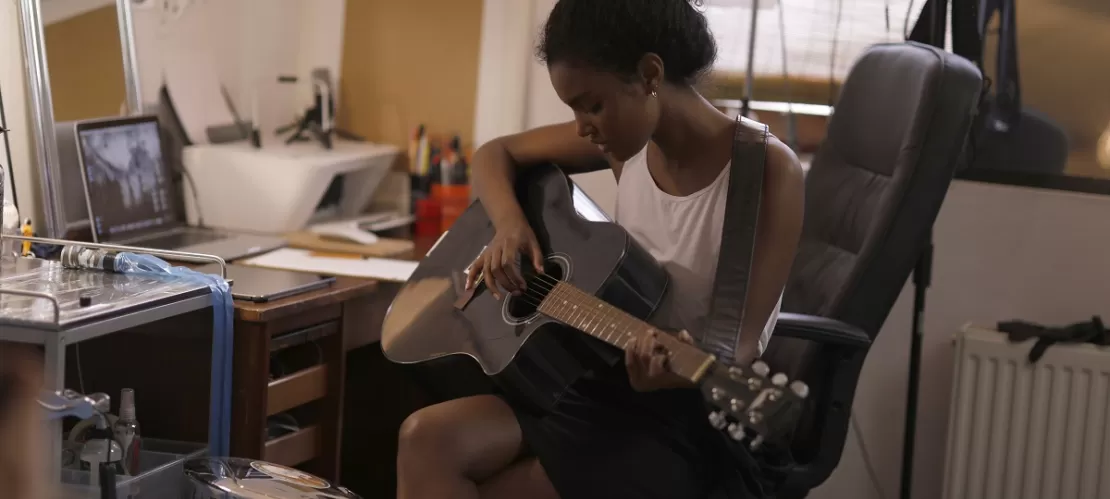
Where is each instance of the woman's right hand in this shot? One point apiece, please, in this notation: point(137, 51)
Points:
point(497, 264)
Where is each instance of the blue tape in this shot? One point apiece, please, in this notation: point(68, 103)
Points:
point(223, 341)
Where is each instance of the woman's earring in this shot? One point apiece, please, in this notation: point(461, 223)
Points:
point(654, 93)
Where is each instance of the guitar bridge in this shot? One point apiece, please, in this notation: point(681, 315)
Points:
point(467, 295)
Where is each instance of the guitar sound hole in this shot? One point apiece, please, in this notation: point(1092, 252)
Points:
point(522, 309)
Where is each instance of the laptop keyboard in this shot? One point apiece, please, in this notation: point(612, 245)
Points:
point(181, 240)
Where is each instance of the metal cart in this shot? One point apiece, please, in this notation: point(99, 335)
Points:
point(40, 303)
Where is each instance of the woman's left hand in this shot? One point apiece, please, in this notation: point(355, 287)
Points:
point(646, 360)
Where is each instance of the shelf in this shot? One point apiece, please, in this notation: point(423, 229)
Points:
point(295, 448)
point(297, 389)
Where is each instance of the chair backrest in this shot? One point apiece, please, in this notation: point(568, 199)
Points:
point(872, 193)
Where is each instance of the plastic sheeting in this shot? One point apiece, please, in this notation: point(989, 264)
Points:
point(219, 424)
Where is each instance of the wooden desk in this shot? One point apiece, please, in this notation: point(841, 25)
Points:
point(168, 365)
point(308, 336)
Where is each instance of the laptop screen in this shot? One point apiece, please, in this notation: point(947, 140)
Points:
point(129, 187)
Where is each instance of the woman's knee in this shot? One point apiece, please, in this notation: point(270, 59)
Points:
point(471, 435)
point(424, 428)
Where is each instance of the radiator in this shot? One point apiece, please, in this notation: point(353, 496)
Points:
point(1021, 431)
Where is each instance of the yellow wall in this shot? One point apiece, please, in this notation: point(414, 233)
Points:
point(410, 62)
point(86, 66)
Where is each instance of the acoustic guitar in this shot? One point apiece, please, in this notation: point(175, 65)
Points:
point(598, 281)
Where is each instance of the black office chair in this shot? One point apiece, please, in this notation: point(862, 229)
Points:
point(872, 194)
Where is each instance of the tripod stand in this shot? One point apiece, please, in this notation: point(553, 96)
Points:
point(318, 120)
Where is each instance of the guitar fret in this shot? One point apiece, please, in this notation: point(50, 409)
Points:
point(610, 327)
point(588, 314)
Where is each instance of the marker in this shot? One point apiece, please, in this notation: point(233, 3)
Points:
point(27, 232)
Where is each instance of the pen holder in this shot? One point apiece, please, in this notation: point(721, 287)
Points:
point(428, 214)
point(454, 200)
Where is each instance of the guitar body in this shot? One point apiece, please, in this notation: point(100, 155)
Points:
point(526, 353)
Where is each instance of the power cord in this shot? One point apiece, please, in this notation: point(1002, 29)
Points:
point(866, 456)
point(193, 190)
point(906, 21)
point(832, 56)
point(80, 374)
point(791, 118)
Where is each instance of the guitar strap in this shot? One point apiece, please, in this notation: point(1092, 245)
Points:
point(721, 333)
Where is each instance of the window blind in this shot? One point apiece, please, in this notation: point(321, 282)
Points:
point(823, 38)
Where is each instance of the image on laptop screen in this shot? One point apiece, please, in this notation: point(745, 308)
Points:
point(129, 187)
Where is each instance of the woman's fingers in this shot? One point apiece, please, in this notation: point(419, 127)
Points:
point(508, 262)
point(492, 262)
point(537, 255)
point(473, 271)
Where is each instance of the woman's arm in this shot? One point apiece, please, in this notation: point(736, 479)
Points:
point(777, 234)
point(496, 163)
point(495, 167)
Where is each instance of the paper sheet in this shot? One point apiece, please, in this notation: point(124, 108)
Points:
point(304, 261)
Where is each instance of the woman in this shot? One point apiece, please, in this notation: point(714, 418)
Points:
point(627, 69)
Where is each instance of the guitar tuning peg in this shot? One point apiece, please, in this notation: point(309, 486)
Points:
point(717, 420)
point(761, 368)
point(800, 389)
point(735, 373)
point(757, 442)
point(779, 380)
point(736, 432)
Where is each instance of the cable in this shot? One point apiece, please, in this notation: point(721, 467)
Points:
point(791, 118)
point(80, 374)
point(906, 22)
point(193, 189)
point(8, 150)
point(832, 53)
point(866, 456)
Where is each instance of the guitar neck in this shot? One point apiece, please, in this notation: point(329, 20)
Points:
point(589, 314)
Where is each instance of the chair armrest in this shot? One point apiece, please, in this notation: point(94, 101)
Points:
point(821, 330)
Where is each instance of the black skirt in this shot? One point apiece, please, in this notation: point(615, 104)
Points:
point(604, 440)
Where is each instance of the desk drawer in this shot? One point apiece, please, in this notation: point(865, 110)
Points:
point(305, 335)
point(295, 448)
point(297, 389)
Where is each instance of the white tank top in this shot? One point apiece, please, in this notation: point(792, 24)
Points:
point(684, 235)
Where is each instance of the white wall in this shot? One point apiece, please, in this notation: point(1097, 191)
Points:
point(1001, 253)
point(241, 38)
point(248, 43)
point(14, 88)
point(514, 90)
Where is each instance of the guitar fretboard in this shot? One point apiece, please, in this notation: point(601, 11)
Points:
point(584, 312)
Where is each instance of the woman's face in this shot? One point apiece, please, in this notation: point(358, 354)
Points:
point(618, 115)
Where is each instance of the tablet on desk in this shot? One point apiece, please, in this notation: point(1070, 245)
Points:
point(261, 285)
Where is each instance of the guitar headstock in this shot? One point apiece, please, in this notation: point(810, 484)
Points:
point(751, 403)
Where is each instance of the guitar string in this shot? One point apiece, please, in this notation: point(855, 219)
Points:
point(536, 299)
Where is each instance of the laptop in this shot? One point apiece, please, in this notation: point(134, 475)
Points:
point(132, 199)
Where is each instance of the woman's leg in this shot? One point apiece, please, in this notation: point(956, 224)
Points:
point(525, 478)
point(446, 449)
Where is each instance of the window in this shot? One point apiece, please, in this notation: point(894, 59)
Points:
point(823, 39)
